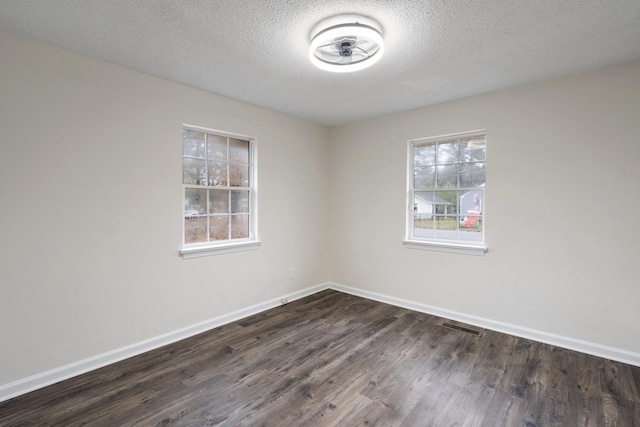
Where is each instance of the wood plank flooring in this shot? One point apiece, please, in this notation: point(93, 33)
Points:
point(333, 359)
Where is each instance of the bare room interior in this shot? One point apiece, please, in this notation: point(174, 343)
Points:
point(334, 284)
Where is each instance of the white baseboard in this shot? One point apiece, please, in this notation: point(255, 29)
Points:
point(34, 382)
point(52, 376)
point(594, 349)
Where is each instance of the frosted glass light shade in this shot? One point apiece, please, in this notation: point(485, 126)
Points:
point(346, 48)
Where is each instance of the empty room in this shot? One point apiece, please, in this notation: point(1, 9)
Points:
point(319, 213)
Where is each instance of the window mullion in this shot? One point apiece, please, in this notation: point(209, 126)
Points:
point(208, 217)
point(229, 214)
point(206, 177)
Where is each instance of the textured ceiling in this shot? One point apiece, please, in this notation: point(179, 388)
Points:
point(257, 50)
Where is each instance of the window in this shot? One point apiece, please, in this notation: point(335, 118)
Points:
point(219, 182)
point(446, 187)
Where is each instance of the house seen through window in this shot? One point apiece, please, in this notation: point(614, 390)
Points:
point(446, 189)
point(218, 184)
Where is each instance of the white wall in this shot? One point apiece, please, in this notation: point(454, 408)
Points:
point(91, 208)
point(562, 206)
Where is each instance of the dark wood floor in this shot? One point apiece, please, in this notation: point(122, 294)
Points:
point(335, 359)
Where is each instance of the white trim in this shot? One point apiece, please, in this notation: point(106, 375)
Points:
point(455, 248)
point(52, 376)
point(217, 132)
point(200, 251)
point(599, 350)
point(465, 134)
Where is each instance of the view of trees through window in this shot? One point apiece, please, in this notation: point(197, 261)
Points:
point(448, 187)
point(216, 179)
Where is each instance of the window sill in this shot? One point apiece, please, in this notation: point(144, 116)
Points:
point(201, 251)
point(456, 248)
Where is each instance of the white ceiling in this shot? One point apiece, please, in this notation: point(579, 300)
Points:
point(257, 50)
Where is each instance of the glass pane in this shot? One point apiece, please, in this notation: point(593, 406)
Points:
point(423, 203)
point(471, 202)
point(423, 225)
point(447, 227)
point(193, 171)
point(427, 202)
point(473, 149)
point(238, 175)
point(239, 226)
point(239, 202)
point(424, 155)
point(195, 229)
point(471, 227)
point(447, 152)
point(216, 147)
point(424, 177)
point(218, 201)
point(447, 202)
point(447, 176)
point(219, 227)
point(471, 221)
point(192, 143)
point(238, 151)
point(446, 222)
point(195, 200)
point(217, 173)
point(472, 174)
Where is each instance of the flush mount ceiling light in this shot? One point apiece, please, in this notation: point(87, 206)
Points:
point(346, 47)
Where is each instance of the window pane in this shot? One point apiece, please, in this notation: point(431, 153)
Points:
point(193, 171)
point(195, 200)
point(192, 143)
point(448, 204)
point(424, 177)
point(447, 152)
point(423, 202)
point(217, 173)
point(424, 155)
point(238, 175)
point(238, 151)
point(239, 226)
point(429, 203)
point(471, 227)
point(447, 227)
point(471, 202)
point(219, 227)
point(423, 225)
point(447, 222)
point(239, 202)
point(195, 229)
point(473, 150)
point(447, 176)
point(472, 174)
point(216, 147)
point(218, 201)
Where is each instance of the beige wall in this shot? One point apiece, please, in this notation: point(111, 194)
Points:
point(562, 206)
point(91, 208)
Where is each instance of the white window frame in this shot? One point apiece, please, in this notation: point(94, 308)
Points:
point(196, 250)
point(438, 244)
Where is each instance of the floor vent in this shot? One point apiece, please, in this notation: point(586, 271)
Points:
point(462, 329)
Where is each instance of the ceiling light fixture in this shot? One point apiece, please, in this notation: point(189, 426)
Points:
point(346, 47)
